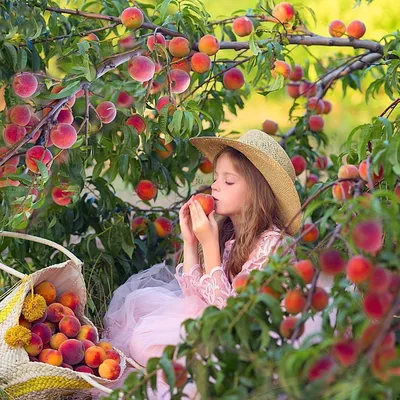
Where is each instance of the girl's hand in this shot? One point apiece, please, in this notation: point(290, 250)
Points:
point(205, 228)
point(185, 223)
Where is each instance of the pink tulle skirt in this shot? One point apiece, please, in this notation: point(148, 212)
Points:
point(145, 315)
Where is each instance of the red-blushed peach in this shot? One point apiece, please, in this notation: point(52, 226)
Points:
point(65, 117)
point(109, 369)
point(346, 352)
point(163, 101)
point(242, 26)
point(321, 162)
point(47, 290)
point(163, 227)
point(283, 12)
point(163, 150)
point(90, 37)
point(368, 236)
point(141, 68)
point(69, 326)
point(35, 345)
point(127, 42)
point(296, 73)
point(324, 369)
point(52, 357)
point(132, 18)
point(233, 79)
point(61, 195)
point(63, 135)
point(181, 63)
point(146, 190)
point(363, 170)
point(69, 299)
point(288, 326)
point(179, 47)
point(294, 301)
point(327, 107)
point(158, 39)
point(20, 115)
point(376, 305)
point(319, 299)
point(240, 281)
point(52, 326)
point(42, 319)
point(87, 343)
point(179, 80)
point(57, 89)
point(396, 191)
point(379, 280)
point(299, 164)
point(281, 68)
point(337, 28)
point(271, 292)
point(200, 63)
point(356, 29)
point(371, 333)
point(381, 364)
point(43, 331)
point(57, 339)
point(25, 85)
point(348, 171)
point(113, 355)
point(68, 311)
point(206, 166)
point(331, 262)
point(206, 201)
point(55, 312)
point(12, 134)
point(107, 112)
point(139, 225)
point(94, 356)
point(343, 191)
point(87, 332)
point(359, 269)
point(65, 365)
point(124, 99)
point(315, 104)
point(85, 369)
point(38, 153)
point(312, 233)
point(6, 170)
point(72, 351)
point(305, 269)
point(137, 122)
point(293, 90)
point(316, 123)
point(13, 161)
point(308, 89)
point(208, 44)
point(105, 345)
point(311, 180)
point(24, 322)
point(270, 127)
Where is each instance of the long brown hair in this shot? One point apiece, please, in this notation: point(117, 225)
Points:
point(259, 214)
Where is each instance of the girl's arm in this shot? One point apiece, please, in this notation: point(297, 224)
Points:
point(190, 256)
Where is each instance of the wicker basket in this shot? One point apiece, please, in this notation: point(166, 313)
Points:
point(19, 377)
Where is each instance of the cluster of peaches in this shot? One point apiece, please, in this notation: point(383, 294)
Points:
point(58, 338)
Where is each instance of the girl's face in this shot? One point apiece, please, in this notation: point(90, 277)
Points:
point(229, 189)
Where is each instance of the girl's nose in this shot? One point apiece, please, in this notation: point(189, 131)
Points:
point(214, 186)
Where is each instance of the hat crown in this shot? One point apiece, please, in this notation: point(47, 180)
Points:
point(269, 146)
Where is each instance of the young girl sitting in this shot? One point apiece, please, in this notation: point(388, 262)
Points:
point(255, 198)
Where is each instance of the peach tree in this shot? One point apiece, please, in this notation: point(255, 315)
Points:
point(113, 91)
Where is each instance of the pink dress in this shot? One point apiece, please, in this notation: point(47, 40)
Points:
point(146, 312)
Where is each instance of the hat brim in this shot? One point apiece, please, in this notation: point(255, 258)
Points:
point(279, 180)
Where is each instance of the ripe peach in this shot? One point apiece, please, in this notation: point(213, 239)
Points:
point(200, 63)
point(294, 301)
point(12, 134)
point(396, 191)
point(337, 28)
point(139, 225)
point(35, 345)
point(109, 369)
point(94, 356)
point(316, 123)
point(233, 79)
point(65, 117)
point(206, 166)
point(358, 269)
point(206, 201)
point(331, 262)
point(163, 150)
point(163, 227)
point(158, 39)
point(179, 80)
point(61, 195)
point(52, 326)
point(379, 280)
point(85, 369)
point(327, 107)
point(281, 68)
point(105, 346)
point(124, 99)
point(137, 122)
point(242, 26)
point(90, 37)
point(127, 42)
point(179, 47)
point(296, 74)
point(364, 172)
point(268, 290)
point(299, 164)
point(57, 339)
point(305, 269)
point(356, 29)
point(315, 104)
point(239, 283)
point(87, 343)
point(107, 112)
point(42, 319)
point(367, 236)
point(113, 355)
point(52, 357)
point(13, 161)
point(55, 312)
point(72, 351)
point(312, 233)
point(308, 89)
point(376, 305)
point(69, 299)
point(65, 365)
point(270, 127)
point(146, 190)
point(370, 334)
point(288, 325)
point(141, 68)
point(64, 136)
point(346, 352)
point(208, 44)
point(19, 115)
point(293, 90)
point(343, 191)
point(5, 170)
point(283, 12)
point(312, 179)
point(132, 18)
point(319, 299)
point(25, 85)
point(348, 171)
point(163, 101)
point(57, 89)
point(24, 322)
point(69, 326)
point(180, 374)
point(87, 332)
point(38, 153)
point(321, 162)
point(324, 369)
point(380, 366)
point(181, 63)
point(43, 331)
point(47, 290)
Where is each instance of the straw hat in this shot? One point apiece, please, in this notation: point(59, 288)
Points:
point(271, 160)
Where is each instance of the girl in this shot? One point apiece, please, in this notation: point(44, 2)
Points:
point(255, 199)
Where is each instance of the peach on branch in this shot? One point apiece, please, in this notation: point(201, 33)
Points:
point(371, 333)
point(233, 79)
point(283, 12)
point(69, 299)
point(109, 369)
point(397, 192)
point(43, 331)
point(55, 312)
point(181, 63)
point(146, 190)
point(206, 166)
point(132, 18)
point(240, 281)
point(163, 101)
point(315, 104)
point(323, 369)
point(368, 236)
point(163, 227)
point(337, 28)
point(379, 280)
point(348, 171)
point(107, 112)
point(35, 345)
point(206, 201)
point(57, 339)
point(165, 151)
point(25, 85)
point(57, 89)
point(321, 162)
point(47, 290)
point(296, 73)
point(346, 352)
point(293, 90)
point(381, 364)
point(305, 269)
point(69, 326)
point(94, 356)
point(308, 89)
point(316, 123)
point(5, 170)
point(376, 305)
point(200, 63)
point(61, 195)
point(90, 37)
point(343, 191)
point(270, 127)
point(179, 47)
point(141, 68)
point(179, 80)
point(242, 26)
point(363, 170)
point(127, 42)
point(319, 299)
point(13, 161)
point(271, 292)
point(139, 225)
point(158, 39)
point(137, 122)
point(52, 357)
point(12, 134)
point(294, 301)
point(327, 107)
point(64, 135)
point(124, 99)
point(312, 233)
point(281, 68)
point(87, 332)
point(19, 115)
point(288, 326)
point(331, 262)
point(312, 179)
point(208, 44)
point(356, 29)
point(299, 164)
point(65, 116)
point(180, 373)
point(72, 351)
point(359, 269)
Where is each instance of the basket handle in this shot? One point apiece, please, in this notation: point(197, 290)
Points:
point(32, 238)
point(95, 384)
